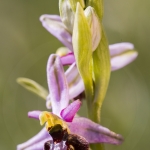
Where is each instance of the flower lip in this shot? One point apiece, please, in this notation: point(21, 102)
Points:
point(58, 133)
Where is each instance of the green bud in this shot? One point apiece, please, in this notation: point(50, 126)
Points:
point(97, 5)
point(95, 26)
point(67, 10)
point(73, 4)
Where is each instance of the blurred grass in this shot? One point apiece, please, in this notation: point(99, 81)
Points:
point(25, 46)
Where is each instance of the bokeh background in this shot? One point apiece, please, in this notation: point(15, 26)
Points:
point(24, 49)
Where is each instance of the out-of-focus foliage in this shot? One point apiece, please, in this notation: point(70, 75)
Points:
point(24, 49)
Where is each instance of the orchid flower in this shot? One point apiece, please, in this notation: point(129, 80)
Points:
point(63, 113)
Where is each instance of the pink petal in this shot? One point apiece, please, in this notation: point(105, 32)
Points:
point(68, 59)
point(42, 135)
point(120, 61)
point(76, 85)
point(93, 132)
point(39, 145)
point(34, 114)
point(70, 111)
point(119, 48)
point(53, 24)
point(57, 84)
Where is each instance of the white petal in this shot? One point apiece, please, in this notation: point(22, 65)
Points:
point(119, 48)
point(122, 60)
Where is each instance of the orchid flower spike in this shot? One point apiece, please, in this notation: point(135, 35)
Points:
point(80, 126)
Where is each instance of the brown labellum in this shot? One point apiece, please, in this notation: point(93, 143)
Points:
point(72, 141)
point(47, 145)
point(57, 133)
point(76, 142)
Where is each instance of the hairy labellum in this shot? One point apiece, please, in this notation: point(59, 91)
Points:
point(58, 133)
point(72, 141)
point(47, 145)
point(76, 142)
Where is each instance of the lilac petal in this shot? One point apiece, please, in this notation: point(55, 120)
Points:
point(39, 145)
point(93, 132)
point(76, 85)
point(68, 59)
point(34, 114)
point(118, 62)
point(70, 111)
point(118, 48)
point(43, 134)
point(57, 84)
point(53, 24)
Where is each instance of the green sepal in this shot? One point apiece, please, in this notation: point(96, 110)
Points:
point(73, 4)
point(33, 86)
point(66, 14)
point(82, 44)
point(67, 9)
point(99, 146)
point(95, 26)
point(101, 75)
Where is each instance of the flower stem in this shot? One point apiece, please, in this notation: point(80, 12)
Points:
point(97, 146)
point(94, 115)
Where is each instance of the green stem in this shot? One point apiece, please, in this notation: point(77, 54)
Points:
point(97, 146)
point(94, 112)
point(94, 115)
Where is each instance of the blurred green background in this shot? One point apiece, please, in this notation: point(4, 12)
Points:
point(24, 49)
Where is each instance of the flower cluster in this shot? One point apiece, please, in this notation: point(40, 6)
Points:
point(90, 61)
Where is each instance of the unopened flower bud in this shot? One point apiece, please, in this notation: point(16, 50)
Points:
point(67, 10)
point(95, 26)
point(62, 51)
